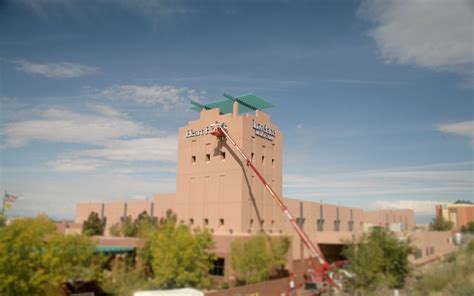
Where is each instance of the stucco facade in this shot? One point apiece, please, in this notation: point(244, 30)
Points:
point(215, 189)
point(458, 214)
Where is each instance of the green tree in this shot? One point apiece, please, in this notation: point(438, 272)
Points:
point(254, 260)
point(127, 228)
point(72, 259)
point(93, 225)
point(123, 279)
point(21, 248)
point(378, 258)
point(470, 226)
point(115, 230)
point(144, 225)
point(2, 221)
point(179, 256)
point(440, 224)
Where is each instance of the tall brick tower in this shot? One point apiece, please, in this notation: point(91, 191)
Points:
point(214, 188)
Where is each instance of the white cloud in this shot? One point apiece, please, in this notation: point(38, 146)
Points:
point(464, 128)
point(421, 207)
point(166, 96)
point(104, 110)
point(159, 148)
point(114, 137)
point(435, 181)
point(64, 126)
point(435, 34)
point(44, 193)
point(74, 165)
point(55, 70)
point(153, 10)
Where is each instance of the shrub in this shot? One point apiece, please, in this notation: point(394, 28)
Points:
point(255, 259)
point(378, 258)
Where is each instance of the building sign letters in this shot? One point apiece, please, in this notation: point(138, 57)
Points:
point(264, 131)
point(261, 130)
point(190, 133)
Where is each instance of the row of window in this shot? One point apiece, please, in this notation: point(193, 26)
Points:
point(208, 157)
point(206, 222)
point(299, 221)
point(222, 222)
point(337, 225)
point(222, 157)
point(428, 252)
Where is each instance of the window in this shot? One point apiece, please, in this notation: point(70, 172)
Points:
point(300, 221)
point(351, 226)
point(222, 155)
point(251, 223)
point(320, 225)
point(206, 222)
point(221, 222)
point(208, 157)
point(273, 162)
point(263, 159)
point(251, 156)
point(418, 253)
point(191, 221)
point(193, 159)
point(337, 225)
point(430, 251)
point(273, 223)
point(218, 267)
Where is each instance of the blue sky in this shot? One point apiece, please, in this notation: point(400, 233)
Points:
point(375, 98)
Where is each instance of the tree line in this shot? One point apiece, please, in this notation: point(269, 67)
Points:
point(36, 260)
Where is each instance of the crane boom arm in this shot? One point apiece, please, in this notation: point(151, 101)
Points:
point(315, 252)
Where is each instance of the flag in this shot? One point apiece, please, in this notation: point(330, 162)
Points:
point(10, 197)
point(8, 206)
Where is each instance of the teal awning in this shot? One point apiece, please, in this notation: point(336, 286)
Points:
point(114, 249)
point(247, 103)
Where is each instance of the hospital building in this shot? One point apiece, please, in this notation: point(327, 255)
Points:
point(216, 189)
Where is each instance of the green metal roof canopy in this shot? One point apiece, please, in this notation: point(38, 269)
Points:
point(114, 249)
point(247, 103)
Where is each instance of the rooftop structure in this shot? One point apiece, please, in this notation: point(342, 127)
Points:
point(247, 103)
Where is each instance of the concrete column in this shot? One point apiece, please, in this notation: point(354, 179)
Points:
point(235, 109)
